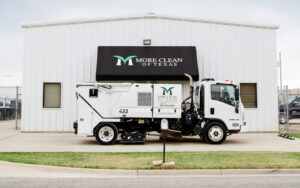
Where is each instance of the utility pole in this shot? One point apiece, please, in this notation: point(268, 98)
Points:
point(280, 69)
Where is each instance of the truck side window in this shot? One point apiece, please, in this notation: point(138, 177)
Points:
point(197, 91)
point(223, 93)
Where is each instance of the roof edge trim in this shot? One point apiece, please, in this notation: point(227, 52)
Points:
point(94, 20)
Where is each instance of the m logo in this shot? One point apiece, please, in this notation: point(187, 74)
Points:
point(121, 59)
point(165, 90)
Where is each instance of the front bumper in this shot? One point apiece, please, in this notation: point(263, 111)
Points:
point(234, 131)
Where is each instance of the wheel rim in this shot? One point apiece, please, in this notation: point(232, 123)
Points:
point(215, 133)
point(106, 134)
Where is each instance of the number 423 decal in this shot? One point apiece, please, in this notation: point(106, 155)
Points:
point(123, 111)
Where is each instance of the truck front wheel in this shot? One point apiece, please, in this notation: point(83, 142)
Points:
point(106, 133)
point(215, 133)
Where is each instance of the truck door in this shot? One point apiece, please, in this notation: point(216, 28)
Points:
point(221, 104)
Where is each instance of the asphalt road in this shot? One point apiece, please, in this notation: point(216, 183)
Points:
point(245, 181)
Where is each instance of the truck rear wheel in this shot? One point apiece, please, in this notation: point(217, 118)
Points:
point(106, 133)
point(215, 133)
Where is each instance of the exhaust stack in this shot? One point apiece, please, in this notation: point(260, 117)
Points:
point(190, 78)
point(191, 93)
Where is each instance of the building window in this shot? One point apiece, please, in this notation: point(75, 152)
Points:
point(248, 92)
point(52, 95)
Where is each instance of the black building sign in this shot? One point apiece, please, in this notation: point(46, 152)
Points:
point(146, 63)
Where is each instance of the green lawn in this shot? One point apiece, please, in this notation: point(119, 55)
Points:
point(143, 160)
point(296, 135)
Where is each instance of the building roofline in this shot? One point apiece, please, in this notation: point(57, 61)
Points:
point(147, 16)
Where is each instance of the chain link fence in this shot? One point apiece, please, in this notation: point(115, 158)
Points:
point(289, 110)
point(10, 103)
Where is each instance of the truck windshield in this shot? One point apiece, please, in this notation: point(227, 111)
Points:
point(223, 93)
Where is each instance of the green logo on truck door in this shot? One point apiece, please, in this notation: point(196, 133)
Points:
point(124, 60)
point(166, 91)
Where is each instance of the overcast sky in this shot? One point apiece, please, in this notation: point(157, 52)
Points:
point(284, 13)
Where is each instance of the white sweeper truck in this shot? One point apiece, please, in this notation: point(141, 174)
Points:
point(132, 109)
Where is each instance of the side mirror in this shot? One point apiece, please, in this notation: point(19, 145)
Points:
point(237, 94)
point(295, 103)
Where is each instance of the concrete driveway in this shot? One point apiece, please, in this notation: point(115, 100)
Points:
point(12, 140)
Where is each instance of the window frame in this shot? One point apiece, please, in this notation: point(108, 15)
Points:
point(60, 97)
point(257, 98)
point(221, 84)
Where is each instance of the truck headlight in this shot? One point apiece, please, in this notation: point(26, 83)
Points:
point(235, 124)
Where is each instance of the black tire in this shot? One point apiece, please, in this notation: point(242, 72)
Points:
point(106, 133)
point(215, 133)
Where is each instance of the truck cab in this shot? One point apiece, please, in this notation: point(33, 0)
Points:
point(219, 104)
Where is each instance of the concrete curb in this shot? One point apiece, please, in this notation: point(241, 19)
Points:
point(8, 169)
point(218, 172)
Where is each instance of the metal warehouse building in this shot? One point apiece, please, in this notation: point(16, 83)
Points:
point(59, 54)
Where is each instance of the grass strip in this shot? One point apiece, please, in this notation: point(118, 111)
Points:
point(143, 160)
point(296, 135)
